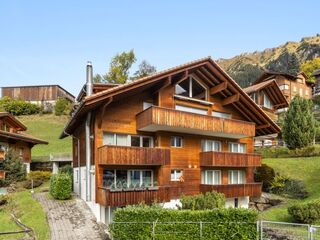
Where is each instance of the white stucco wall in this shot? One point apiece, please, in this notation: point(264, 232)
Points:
point(243, 202)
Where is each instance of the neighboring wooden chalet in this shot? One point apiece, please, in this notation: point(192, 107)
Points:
point(187, 130)
point(289, 85)
point(316, 89)
point(39, 94)
point(13, 138)
point(268, 96)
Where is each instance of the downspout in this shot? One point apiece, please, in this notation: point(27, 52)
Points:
point(88, 134)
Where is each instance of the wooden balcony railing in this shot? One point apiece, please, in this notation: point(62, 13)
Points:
point(229, 159)
point(234, 190)
point(164, 119)
point(2, 174)
point(123, 198)
point(2, 155)
point(119, 155)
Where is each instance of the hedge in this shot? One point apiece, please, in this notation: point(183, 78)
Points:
point(207, 201)
point(18, 107)
point(284, 152)
point(221, 223)
point(61, 186)
point(305, 212)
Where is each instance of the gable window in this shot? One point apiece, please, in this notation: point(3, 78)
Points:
point(266, 101)
point(236, 177)
point(284, 87)
point(210, 145)
point(254, 97)
point(146, 105)
point(211, 177)
point(176, 174)
point(237, 147)
point(192, 89)
point(127, 140)
point(176, 141)
point(221, 114)
point(192, 109)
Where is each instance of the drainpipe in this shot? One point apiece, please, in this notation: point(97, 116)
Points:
point(87, 134)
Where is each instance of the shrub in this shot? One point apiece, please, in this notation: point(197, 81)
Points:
point(284, 152)
point(305, 212)
point(209, 200)
point(39, 175)
point(224, 223)
point(14, 167)
point(66, 169)
point(264, 174)
point(62, 107)
point(18, 107)
point(289, 187)
point(28, 183)
point(60, 186)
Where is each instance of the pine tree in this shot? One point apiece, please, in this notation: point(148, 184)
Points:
point(293, 65)
point(299, 124)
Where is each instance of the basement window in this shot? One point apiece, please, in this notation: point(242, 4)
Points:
point(192, 89)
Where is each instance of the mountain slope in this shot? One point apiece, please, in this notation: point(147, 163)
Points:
point(247, 67)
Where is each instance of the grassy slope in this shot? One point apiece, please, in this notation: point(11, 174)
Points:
point(305, 169)
point(29, 211)
point(47, 127)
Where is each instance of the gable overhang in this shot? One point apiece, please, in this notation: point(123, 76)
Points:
point(205, 69)
point(9, 118)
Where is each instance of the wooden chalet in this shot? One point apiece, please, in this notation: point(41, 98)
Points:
point(12, 138)
point(290, 85)
point(316, 89)
point(186, 130)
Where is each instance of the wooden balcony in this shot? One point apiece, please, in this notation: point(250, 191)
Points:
point(2, 174)
point(234, 190)
point(123, 198)
point(229, 159)
point(163, 119)
point(119, 155)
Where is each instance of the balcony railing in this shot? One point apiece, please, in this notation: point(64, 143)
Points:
point(121, 155)
point(164, 119)
point(234, 190)
point(229, 159)
point(106, 197)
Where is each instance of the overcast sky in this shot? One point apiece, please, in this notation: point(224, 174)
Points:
point(44, 42)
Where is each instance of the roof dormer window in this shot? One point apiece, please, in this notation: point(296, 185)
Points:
point(192, 89)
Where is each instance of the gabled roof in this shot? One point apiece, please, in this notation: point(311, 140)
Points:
point(12, 120)
point(273, 91)
point(205, 69)
point(97, 87)
point(267, 75)
point(21, 137)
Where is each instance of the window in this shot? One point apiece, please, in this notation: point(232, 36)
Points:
point(284, 87)
point(191, 88)
point(266, 101)
point(127, 178)
point(254, 97)
point(192, 110)
point(176, 174)
point(211, 177)
point(210, 145)
point(237, 147)
point(236, 177)
point(176, 141)
point(127, 140)
point(221, 114)
point(146, 105)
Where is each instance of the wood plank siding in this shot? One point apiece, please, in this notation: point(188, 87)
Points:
point(234, 190)
point(124, 198)
point(2, 174)
point(229, 159)
point(158, 118)
point(2, 155)
point(120, 155)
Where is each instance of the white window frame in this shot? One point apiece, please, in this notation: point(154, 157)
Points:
point(221, 115)
point(232, 145)
point(205, 147)
point(174, 139)
point(236, 180)
point(205, 177)
point(192, 109)
point(190, 88)
point(254, 97)
point(284, 87)
point(114, 143)
point(176, 174)
point(266, 101)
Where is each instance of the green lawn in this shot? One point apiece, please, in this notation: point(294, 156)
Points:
point(47, 127)
point(305, 169)
point(29, 211)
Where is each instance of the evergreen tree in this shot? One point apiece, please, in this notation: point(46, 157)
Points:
point(299, 124)
point(293, 65)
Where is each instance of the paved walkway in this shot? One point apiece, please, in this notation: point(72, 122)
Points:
point(70, 220)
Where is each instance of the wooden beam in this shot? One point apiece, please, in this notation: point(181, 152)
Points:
point(218, 88)
point(232, 99)
point(263, 126)
point(103, 111)
point(165, 84)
